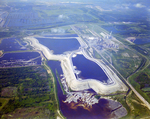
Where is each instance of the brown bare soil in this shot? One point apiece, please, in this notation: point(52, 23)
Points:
point(9, 92)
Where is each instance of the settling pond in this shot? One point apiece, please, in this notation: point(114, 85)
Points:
point(60, 46)
point(98, 111)
point(89, 69)
point(20, 59)
point(11, 44)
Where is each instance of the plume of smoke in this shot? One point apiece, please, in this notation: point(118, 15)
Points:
point(62, 16)
point(58, 30)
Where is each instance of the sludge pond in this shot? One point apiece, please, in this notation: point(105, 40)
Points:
point(98, 111)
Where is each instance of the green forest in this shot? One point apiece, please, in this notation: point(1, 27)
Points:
point(26, 87)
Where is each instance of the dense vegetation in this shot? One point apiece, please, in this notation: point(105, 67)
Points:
point(34, 89)
point(144, 80)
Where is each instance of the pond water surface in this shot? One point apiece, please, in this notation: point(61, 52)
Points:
point(11, 44)
point(60, 46)
point(89, 69)
point(20, 59)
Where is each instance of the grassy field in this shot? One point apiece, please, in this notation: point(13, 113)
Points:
point(62, 11)
point(65, 14)
point(125, 61)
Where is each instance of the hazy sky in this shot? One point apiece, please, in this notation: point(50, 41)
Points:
point(85, 1)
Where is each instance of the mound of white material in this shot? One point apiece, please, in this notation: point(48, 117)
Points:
point(71, 79)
